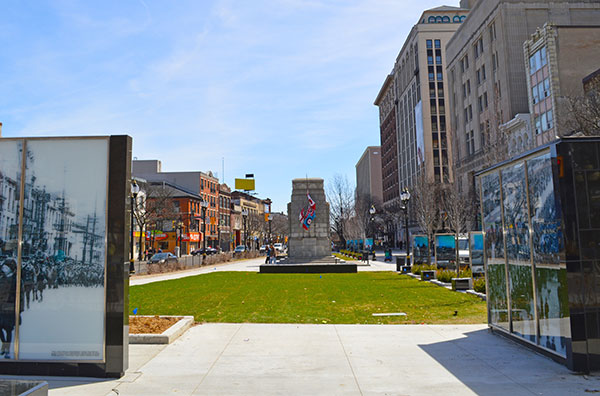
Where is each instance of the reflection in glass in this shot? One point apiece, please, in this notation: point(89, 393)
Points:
point(551, 276)
point(516, 223)
point(11, 153)
point(421, 249)
point(476, 252)
point(63, 250)
point(492, 225)
point(445, 250)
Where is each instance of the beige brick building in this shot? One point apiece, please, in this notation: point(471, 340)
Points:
point(488, 80)
point(557, 59)
point(413, 107)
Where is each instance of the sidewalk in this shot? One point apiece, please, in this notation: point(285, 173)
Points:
point(288, 359)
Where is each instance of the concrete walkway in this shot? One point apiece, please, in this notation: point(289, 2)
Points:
point(286, 359)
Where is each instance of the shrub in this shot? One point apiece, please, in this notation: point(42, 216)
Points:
point(417, 268)
point(445, 275)
point(466, 273)
point(479, 285)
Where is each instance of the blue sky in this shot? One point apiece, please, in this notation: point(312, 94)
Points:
point(278, 88)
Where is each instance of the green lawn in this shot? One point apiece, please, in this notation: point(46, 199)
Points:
point(237, 297)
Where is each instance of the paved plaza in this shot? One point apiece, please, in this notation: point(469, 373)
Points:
point(305, 359)
point(286, 359)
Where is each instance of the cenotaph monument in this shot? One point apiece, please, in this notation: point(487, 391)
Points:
point(309, 243)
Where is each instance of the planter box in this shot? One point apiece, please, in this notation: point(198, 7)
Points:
point(462, 283)
point(405, 269)
point(12, 387)
point(167, 336)
point(427, 275)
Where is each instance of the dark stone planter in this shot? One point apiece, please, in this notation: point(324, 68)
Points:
point(462, 283)
point(427, 275)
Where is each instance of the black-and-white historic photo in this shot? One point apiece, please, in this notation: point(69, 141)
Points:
point(63, 247)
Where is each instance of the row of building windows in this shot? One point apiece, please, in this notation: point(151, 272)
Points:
point(446, 19)
point(438, 57)
point(483, 102)
point(435, 72)
point(432, 90)
point(478, 47)
point(481, 75)
point(429, 44)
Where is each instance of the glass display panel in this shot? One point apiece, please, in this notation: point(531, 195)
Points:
point(445, 250)
point(64, 250)
point(476, 252)
point(516, 228)
point(420, 249)
point(548, 248)
point(494, 250)
point(11, 153)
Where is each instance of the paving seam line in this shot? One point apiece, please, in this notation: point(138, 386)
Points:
point(453, 341)
point(217, 359)
point(348, 360)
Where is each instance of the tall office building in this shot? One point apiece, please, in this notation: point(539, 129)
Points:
point(413, 107)
point(368, 176)
point(488, 80)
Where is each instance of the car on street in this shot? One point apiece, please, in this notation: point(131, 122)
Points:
point(279, 247)
point(163, 258)
point(209, 251)
point(263, 249)
point(240, 249)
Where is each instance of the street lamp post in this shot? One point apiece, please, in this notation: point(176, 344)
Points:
point(372, 212)
point(244, 216)
point(204, 205)
point(135, 189)
point(405, 197)
point(270, 218)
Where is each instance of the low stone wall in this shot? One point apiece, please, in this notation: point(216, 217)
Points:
point(189, 262)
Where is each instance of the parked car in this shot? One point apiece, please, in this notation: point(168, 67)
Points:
point(263, 249)
point(240, 249)
point(162, 258)
point(279, 247)
point(209, 251)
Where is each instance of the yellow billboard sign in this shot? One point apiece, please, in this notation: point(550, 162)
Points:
point(244, 184)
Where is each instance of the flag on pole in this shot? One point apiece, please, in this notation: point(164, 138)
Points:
point(307, 214)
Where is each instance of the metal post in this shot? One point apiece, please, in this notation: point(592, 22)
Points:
point(204, 228)
point(131, 262)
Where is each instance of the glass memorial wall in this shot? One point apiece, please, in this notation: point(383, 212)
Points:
point(523, 245)
point(494, 251)
point(52, 288)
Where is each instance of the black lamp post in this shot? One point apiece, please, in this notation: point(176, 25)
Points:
point(405, 197)
point(204, 205)
point(269, 219)
point(245, 216)
point(135, 189)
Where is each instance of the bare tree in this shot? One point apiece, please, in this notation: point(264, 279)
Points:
point(426, 206)
point(154, 207)
point(582, 115)
point(456, 211)
point(279, 226)
point(341, 205)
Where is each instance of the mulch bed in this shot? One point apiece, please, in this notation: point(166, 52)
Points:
point(150, 325)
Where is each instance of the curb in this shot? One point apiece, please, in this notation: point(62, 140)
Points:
point(167, 336)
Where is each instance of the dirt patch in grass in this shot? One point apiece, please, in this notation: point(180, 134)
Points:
point(150, 325)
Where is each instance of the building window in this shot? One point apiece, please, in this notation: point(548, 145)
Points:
point(537, 60)
point(468, 87)
point(430, 59)
point(440, 86)
point(438, 43)
point(485, 100)
point(438, 59)
point(478, 76)
point(480, 104)
point(492, 30)
point(483, 75)
point(429, 44)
